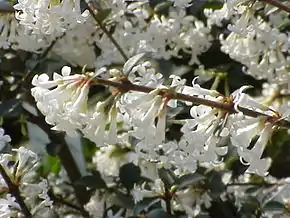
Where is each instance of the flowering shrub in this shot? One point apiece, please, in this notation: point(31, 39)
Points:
point(145, 108)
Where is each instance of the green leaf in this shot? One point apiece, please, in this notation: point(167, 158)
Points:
point(143, 205)
point(128, 66)
point(53, 149)
point(159, 213)
point(123, 200)
point(103, 14)
point(215, 5)
point(55, 2)
point(10, 108)
point(188, 179)
point(251, 190)
point(250, 205)
point(92, 181)
point(129, 175)
point(50, 165)
point(215, 184)
point(167, 177)
point(273, 206)
point(89, 149)
point(162, 6)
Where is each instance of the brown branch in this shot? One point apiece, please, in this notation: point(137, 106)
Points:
point(277, 4)
point(93, 11)
point(127, 86)
point(14, 191)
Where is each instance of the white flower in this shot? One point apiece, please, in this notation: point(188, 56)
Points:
point(182, 3)
point(241, 99)
point(96, 205)
point(196, 90)
point(258, 44)
point(117, 215)
point(27, 161)
point(109, 159)
point(252, 157)
point(62, 100)
point(190, 201)
point(178, 84)
point(140, 192)
point(49, 19)
point(4, 139)
point(23, 173)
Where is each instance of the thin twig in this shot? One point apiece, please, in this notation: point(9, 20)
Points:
point(167, 199)
point(14, 191)
point(27, 76)
point(277, 4)
point(92, 11)
point(265, 184)
point(127, 86)
point(62, 201)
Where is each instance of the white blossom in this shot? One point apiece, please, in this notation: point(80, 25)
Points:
point(4, 139)
point(23, 173)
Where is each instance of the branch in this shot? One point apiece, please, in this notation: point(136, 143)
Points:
point(229, 107)
point(92, 9)
point(277, 4)
point(264, 184)
point(64, 202)
point(167, 198)
point(14, 190)
point(64, 154)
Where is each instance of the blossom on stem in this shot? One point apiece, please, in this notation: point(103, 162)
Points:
point(23, 175)
point(49, 18)
point(62, 100)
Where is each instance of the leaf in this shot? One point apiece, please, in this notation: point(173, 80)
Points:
point(103, 14)
point(92, 181)
point(7, 6)
point(250, 205)
point(167, 177)
point(143, 205)
point(202, 216)
point(159, 213)
point(55, 2)
point(53, 149)
point(122, 200)
point(215, 5)
point(10, 108)
point(50, 165)
point(251, 190)
point(215, 184)
point(129, 175)
point(161, 7)
point(89, 149)
point(273, 206)
point(188, 179)
point(128, 66)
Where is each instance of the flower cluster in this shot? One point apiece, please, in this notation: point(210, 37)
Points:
point(23, 187)
point(141, 115)
point(162, 127)
point(261, 45)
